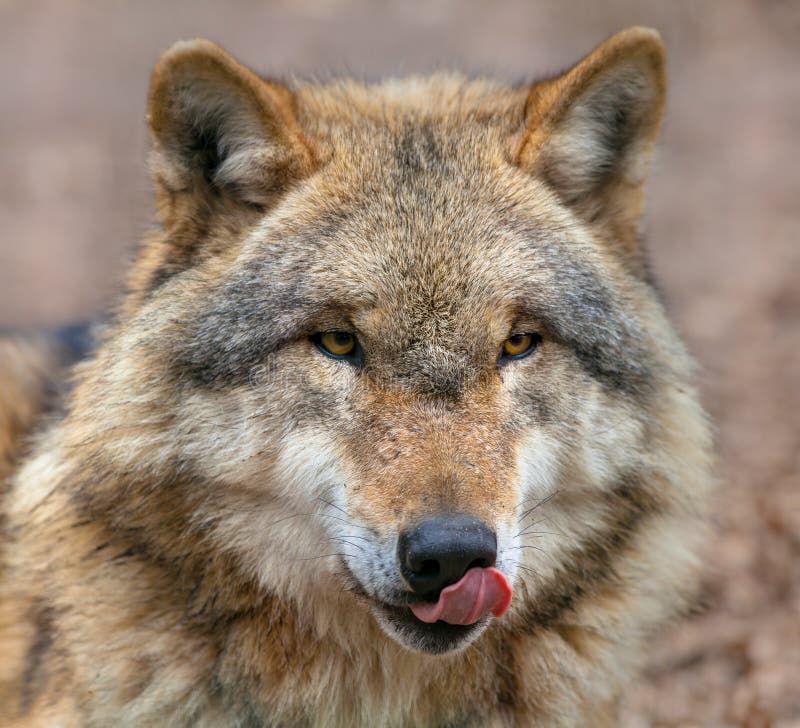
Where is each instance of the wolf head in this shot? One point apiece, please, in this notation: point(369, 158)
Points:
point(396, 343)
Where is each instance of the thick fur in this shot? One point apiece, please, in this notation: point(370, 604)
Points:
point(207, 534)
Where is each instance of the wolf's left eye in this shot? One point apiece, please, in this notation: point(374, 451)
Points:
point(519, 345)
point(337, 344)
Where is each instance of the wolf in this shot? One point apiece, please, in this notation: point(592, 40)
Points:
point(389, 427)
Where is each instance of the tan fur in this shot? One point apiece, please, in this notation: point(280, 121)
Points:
point(27, 366)
point(207, 536)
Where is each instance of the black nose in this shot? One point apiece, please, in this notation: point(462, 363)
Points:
point(439, 550)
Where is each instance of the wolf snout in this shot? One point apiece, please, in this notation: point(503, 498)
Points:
point(449, 560)
point(439, 550)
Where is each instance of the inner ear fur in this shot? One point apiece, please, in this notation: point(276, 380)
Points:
point(589, 133)
point(219, 128)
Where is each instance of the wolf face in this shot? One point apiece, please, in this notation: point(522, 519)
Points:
point(399, 338)
point(390, 427)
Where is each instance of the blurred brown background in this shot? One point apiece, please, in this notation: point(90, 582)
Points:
point(723, 227)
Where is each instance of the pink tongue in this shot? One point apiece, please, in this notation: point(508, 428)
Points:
point(477, 593)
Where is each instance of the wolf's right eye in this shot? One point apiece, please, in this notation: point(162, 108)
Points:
point(519, 346)
point(338, 345)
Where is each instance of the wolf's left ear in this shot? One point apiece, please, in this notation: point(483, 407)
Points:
point(218, 128)
point(589, 133)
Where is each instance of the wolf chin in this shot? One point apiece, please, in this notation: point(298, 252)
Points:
point(388, 429)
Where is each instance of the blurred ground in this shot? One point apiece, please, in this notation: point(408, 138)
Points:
point(723, 229)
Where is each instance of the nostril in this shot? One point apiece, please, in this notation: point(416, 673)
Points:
point(429, 567)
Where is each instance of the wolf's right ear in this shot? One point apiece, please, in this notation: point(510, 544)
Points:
point(219, 128)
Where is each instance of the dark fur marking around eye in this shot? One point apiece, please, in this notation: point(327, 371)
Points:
point(583, 313)
point(252, 312)
point(247, 318)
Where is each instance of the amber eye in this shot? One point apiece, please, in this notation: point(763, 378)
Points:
point(519, 345)
point(337, 344)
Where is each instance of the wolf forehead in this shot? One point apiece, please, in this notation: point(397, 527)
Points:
point(459, 291)
point(417, 216)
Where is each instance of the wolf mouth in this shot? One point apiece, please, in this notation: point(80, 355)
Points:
point(436, 638)
point(396, 614)
point(399, 621)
